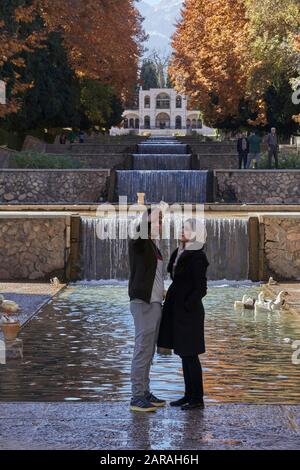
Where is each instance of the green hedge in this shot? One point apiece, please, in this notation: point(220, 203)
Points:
point(287, 161)
point(35, 160)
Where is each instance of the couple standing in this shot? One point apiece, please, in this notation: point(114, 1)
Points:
point(179, 325)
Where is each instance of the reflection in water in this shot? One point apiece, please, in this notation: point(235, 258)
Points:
point(80, 347)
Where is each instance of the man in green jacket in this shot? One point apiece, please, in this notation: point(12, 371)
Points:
point(254, 149)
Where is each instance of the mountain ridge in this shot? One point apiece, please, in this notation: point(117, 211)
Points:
point(160, 21)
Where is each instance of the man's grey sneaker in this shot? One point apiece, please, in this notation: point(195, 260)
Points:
point(142, 404)
point(155, 401)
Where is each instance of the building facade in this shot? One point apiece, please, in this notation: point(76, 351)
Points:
point(163, 111)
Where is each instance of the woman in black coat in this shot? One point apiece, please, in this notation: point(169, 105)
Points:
point(182, 326)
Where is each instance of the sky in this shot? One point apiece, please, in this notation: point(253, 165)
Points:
point(152, 2)
point(160, 18)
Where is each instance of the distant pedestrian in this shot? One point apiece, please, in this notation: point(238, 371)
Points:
point(273, 147)
point(81, 137)
point(254, 149)
point(243, 150)
point(63, 138)
point(72, 137)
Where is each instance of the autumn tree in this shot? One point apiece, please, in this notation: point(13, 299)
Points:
point(273, 26)
point(16, 36)
point(210, 62)
point(234, 58)
point(102, 39)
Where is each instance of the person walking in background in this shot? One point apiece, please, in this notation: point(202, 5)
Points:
point(146, 292)
point(273, 147)
point(72, 136)
point(62, 138)
point(254, 149)
point(182, 326)
point(81, 137)
point(243, 150)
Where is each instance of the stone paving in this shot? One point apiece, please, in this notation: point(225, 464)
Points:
point(30, 296)
point(108, 426)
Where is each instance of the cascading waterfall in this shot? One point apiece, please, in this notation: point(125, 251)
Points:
point(162, 162)
point(162, 148)
point(170, 186)
point(227, 248)
point(162, 170)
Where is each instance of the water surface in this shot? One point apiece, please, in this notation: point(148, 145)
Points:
point(80, 348)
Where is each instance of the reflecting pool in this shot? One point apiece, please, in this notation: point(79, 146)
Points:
point(80, 347)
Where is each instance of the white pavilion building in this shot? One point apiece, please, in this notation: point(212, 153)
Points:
point(163, 111)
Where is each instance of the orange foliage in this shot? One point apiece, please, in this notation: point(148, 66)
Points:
point(103, 39)
point(211, 63)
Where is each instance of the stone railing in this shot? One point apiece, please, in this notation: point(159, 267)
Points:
point(258, 186)
point(53, 186)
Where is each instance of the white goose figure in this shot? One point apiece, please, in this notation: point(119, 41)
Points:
point(279, 302)
point(263, 305)
point(246, 303)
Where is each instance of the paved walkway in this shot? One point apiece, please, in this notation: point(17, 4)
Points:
point(30, 296)
point(106, 426)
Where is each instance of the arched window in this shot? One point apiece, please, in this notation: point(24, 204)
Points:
point(125, 123)
point(147, 122)
point(163, 121)
point(194, 124)
point(178, 102)
point(188, 123)
point(147, 102)
point(131, 123)
point(137, 123)
point(163, 101)
point(199, 124)
point(178, 123)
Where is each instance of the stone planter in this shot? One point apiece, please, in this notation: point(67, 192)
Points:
point(11, 330)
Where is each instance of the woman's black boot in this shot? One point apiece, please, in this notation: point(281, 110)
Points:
point(181, 402)
point(193, 405)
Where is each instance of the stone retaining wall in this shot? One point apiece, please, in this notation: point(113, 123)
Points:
point(117, 161)
point(42, 246)
point(280, 247)
point(33, 248)
point(89, 148)
point(53, 186)
point(215, 162)
point(258, 186)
